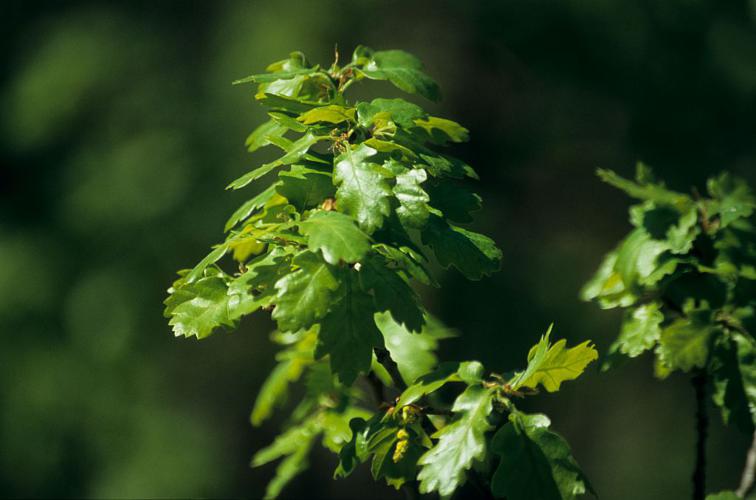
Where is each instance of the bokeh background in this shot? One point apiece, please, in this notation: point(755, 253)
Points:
point(119, 130)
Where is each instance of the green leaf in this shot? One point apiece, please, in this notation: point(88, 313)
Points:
point(640, 331)
point(295, 445)
point(392, 293)
point(379, 111)
point(637, 258)
point(295, 151)
point(746, 351)
point(336, 236)
point(214, 256)
point(454, 200)
point(328, 114)
point(474, 254)
point(355, 451)
point(550, 365)
point(273, 393)
point(447, 166)
point(400, 68)
point(261, 135)
point(414, 353)
point(295, 64)
point(305, 187)
point(243, 212)
point(535, 462)
point(723, 495)
point(391, 147)
point(734, 381)
point(199, 308)
point(684, 344)
point(413, 200)
point(735, 199)
point(646, 190)
point(288, 104)
point(307, 87)
point(348, 335)
point(677, 229)
point(272, 77)
point(304, 296)
point(254, 287)
point(441, 130)
point(460, 443)
point(363, 191)
point(410, 261)
point(470, 372)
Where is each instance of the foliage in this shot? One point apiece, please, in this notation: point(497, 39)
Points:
point(363, 193)
point(685, 277)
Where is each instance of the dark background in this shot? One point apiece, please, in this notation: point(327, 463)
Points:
point(119, 130)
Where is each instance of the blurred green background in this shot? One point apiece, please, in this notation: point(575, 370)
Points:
point(119, 130)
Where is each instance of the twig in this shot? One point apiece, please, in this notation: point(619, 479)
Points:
point(749, 471)
point(702, 421)
point(384, 358)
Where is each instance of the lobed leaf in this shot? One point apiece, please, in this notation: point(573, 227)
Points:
point(535, 462)
point(336, 236)
point(460, 443)
point(550, 365)
point(400, 68)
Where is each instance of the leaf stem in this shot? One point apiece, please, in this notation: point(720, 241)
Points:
point(384, 358)
point(749, 471)
point(702, 422)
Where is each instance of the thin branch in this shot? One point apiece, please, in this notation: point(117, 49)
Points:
point(702, 422)
point(384, 358)
point(749, 471)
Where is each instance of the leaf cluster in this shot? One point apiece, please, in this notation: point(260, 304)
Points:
point(686, 278)
point(362, 199)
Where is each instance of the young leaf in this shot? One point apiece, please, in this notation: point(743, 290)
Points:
point(304, 296)
point(295, 151)
point(460, 443)
point(413, 209)
point(550, 365)
point(379, 111)
point(470, 372)
point(336, 236)
point(363, 192)
point(333, 114)
point(262, 135)
point(243, 212)
point(441, 130)
point(400, 68)
point(198, 309)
